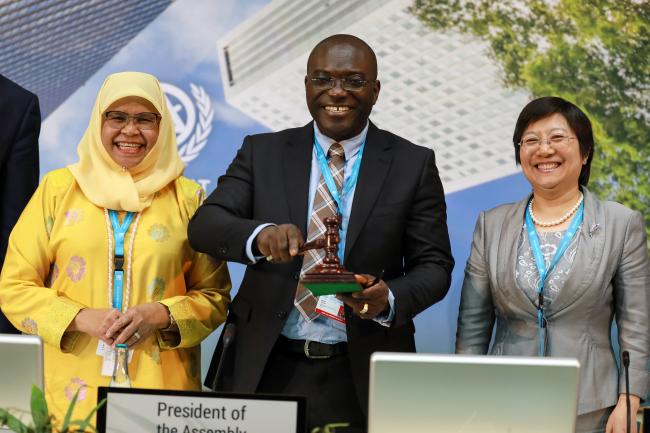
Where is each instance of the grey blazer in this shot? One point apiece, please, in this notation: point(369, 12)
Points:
point(610, 277)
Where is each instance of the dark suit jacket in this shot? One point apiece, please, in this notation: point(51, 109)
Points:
point(397, 223)
point(21, 124)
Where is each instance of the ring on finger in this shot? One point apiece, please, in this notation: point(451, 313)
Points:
point(137, 335)
point(364, 310)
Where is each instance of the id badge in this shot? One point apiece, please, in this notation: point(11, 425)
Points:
point(103, 348)
point(108, 354)
point(330, 306)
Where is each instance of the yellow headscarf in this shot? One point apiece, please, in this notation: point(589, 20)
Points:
point(101, 179)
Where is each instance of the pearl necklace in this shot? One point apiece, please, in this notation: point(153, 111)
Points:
point(558, 221)
point(109, 229)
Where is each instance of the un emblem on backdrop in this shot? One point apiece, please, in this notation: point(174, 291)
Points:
point(192, 119)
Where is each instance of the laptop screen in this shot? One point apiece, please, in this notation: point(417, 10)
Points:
point(419, 393)
point(21, 366)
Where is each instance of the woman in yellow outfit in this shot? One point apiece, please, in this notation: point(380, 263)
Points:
point(62, 280)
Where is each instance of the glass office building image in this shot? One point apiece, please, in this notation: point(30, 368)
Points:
point(52, 47)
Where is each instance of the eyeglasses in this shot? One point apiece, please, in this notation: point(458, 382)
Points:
point(556, 141)
point(350, 84)
point(142, 121)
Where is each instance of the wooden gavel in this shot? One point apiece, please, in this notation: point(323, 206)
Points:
point(330, 243)
point(329, 276)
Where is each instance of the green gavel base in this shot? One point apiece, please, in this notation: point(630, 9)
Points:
point(330, 284)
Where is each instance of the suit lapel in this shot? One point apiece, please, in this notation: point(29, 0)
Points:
point(507, 257)
point(583, 269)
point(588, 255)
point(297, 168)
point(372, 175)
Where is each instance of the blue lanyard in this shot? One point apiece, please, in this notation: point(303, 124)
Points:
point(119, 231)
point(348, 183)
point(544, 272)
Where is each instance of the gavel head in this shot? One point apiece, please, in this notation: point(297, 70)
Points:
point(332, 221)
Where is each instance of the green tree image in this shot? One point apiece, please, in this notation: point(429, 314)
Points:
point(594, 53)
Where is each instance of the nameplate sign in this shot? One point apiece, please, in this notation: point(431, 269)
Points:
point(162, 411)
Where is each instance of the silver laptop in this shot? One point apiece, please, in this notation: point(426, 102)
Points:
point(21, 366)
point(419, 393)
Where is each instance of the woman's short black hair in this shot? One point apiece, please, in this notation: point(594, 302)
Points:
point(578, 121)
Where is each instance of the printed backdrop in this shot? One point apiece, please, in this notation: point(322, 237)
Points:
point(181, 48)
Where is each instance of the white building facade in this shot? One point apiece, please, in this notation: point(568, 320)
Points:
point(439, 90)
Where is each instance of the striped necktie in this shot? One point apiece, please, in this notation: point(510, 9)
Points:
point(323, 206)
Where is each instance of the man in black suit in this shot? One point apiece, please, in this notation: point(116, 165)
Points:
point(20, 124)
point(272, 198)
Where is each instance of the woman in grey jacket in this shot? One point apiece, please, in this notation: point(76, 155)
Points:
point(554, 270)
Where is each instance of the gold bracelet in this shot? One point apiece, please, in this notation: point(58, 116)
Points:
point(172, 323)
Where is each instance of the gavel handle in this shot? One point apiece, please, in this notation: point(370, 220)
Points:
point(313, 245)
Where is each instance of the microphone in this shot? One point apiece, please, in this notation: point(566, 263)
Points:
point(228, 337)
point(626, 366)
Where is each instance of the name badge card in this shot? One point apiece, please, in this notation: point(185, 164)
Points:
point(161, 411)
point(330, 306)
point(108, 354)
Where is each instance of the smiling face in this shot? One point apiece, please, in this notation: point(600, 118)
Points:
point(341, 114)
point(551, 166)
point(129, 145)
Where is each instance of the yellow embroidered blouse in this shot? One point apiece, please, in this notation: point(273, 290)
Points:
point(57, 264)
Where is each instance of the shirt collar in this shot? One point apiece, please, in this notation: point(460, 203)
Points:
point(351, 146)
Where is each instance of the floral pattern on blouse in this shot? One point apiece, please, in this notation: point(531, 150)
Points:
point(76, 268)
point(158, 233)
point(76, 384)
point(30, 326)
point(156, 288)
point(526, 273)
point(73, 216)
